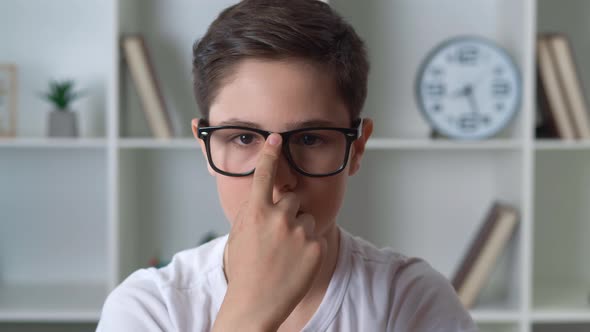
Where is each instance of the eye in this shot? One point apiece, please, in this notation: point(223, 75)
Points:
point(309, 140)
point(244, 139)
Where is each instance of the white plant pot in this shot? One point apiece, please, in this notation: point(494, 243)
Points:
point(62, 124)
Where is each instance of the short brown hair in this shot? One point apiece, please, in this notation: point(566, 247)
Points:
point(306, 30)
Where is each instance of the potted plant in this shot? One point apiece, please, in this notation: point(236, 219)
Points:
point(62, 121)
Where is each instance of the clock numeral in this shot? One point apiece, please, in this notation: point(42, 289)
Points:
point(499, 107)
point(435, 90)
point(468, 122)
point(437, 108)
point(467, 55)
point(436, 71)
point(500, 88)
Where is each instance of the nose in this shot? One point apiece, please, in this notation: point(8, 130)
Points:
point(285, 178)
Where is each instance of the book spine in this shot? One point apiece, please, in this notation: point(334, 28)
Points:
point(494, 245)
point(475, 247)
point(143, 76)
point(570, 83)
point(551, 85)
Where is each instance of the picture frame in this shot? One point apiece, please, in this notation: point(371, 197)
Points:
point(8, 99)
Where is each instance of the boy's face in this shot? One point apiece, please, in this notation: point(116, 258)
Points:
point(279, 96)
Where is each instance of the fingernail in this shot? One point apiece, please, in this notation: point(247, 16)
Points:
point(274, 139)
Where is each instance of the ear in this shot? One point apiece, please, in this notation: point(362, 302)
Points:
point(195, 128)
point(359, 146)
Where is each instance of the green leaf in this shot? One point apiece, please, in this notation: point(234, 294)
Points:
point(61, 93)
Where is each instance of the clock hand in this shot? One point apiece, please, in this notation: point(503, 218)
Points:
point(462, 92)
point(471, 98)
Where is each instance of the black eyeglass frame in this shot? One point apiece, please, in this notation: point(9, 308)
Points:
point(351, 134)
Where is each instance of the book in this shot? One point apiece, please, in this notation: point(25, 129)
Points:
point(146, 84)
point(484, 250)
point(570, 83)
point(552, 103)
point(545, 125)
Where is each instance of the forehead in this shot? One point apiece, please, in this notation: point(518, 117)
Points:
point(278, 94)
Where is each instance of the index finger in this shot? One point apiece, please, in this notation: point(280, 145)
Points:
point(266, 168)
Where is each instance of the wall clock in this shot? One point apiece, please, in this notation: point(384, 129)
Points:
point(468, 88)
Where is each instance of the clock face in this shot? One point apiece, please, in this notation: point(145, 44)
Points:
point(468, 88)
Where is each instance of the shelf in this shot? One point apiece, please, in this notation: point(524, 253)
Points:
point(564, 145)
point(495, 316)
point(152, 143)
point(72, 302)
point(498, 327)
point(373, 144)
point(561, 327)
point(430, 144)
point(556, 316)
point(46, 142)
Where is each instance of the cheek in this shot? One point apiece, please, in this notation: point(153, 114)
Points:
point(325, 197)
point(233, 192)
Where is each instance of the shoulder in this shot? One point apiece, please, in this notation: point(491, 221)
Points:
point(368, 257)
point(401, 270)
point(187, 269)
point(150, 292)
point(418, 296)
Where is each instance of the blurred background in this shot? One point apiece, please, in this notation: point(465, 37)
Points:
point(95, 184)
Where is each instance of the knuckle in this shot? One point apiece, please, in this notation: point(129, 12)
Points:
point(300, 232)
point(281, 220)
point(315, 249)
point(282, 228)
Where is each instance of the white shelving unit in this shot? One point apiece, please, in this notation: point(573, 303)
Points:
point(78, 215)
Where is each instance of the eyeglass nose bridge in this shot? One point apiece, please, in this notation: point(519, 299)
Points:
point(286, 152)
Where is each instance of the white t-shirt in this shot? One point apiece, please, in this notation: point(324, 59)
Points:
point(371, 290)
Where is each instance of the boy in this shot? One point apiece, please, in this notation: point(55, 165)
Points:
point(281, 85)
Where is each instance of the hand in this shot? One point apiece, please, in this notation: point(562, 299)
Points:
point(273, 254)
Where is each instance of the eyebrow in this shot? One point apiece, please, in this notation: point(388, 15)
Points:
point(290, 126)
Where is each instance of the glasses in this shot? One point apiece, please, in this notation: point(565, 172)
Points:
point(314, 152)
